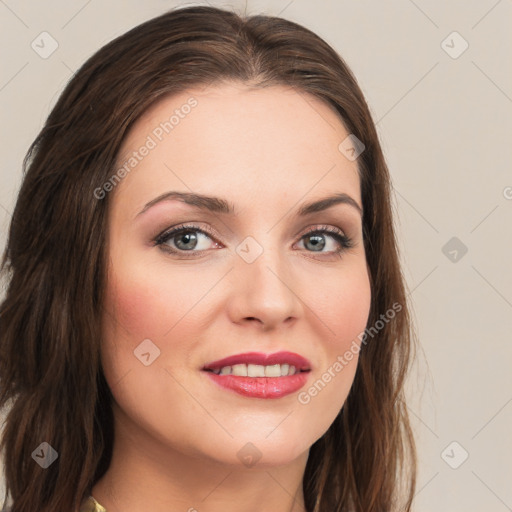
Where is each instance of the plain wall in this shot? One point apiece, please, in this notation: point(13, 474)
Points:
point(445, 121)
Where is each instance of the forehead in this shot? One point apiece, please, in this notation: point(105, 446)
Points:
point(233, 140)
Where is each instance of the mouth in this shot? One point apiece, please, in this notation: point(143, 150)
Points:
point(256, 364)
point(257, 370)
point(260, 375)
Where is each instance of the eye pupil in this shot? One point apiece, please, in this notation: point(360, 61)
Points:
point(318, 241)
point(189, 236)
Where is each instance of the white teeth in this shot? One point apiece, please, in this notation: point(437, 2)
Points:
point(273, 371)
point(240, 370)
point(257, 370)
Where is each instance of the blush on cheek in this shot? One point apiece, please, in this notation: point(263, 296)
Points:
point(347, 315)
point(140, 310)
point(358, 314)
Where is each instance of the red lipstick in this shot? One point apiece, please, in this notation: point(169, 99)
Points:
point(262, 359)
point(260, 387)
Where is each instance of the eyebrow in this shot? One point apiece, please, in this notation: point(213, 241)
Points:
point(219, 205)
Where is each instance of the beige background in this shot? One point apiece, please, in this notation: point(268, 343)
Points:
point(445, 124)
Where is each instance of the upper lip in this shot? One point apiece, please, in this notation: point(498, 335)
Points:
point(259, 358)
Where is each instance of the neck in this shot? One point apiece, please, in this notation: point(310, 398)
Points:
point(146, 475)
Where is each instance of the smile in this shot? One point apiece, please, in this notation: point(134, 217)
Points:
point(256, 370)
point(259, 375)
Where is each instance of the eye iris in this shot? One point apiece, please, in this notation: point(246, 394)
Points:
point(190, 236)
point(318, 241)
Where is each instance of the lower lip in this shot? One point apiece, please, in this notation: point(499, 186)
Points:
point(261, 387)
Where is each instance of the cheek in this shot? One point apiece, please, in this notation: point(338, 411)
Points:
point(344, 306)
point(138, 307)
point(144, 304)
point(145, 301)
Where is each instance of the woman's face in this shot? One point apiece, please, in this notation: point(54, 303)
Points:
point(263, 278)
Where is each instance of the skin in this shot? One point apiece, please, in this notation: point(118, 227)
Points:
point(267, 151)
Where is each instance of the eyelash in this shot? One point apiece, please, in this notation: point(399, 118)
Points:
point(344, 241)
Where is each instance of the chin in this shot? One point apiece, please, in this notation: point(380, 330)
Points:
point(260, 453)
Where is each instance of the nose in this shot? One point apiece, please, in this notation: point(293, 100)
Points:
point(265, 291)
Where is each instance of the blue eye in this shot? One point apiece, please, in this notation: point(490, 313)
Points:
point(317, 236)
point(186, 238)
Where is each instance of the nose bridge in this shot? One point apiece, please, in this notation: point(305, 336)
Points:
point(263, 279)
point(268, 262)
point(257, 255)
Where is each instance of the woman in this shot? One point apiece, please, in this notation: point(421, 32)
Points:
point(205, 308)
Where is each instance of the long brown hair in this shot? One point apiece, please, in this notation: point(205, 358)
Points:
point(55, 263)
